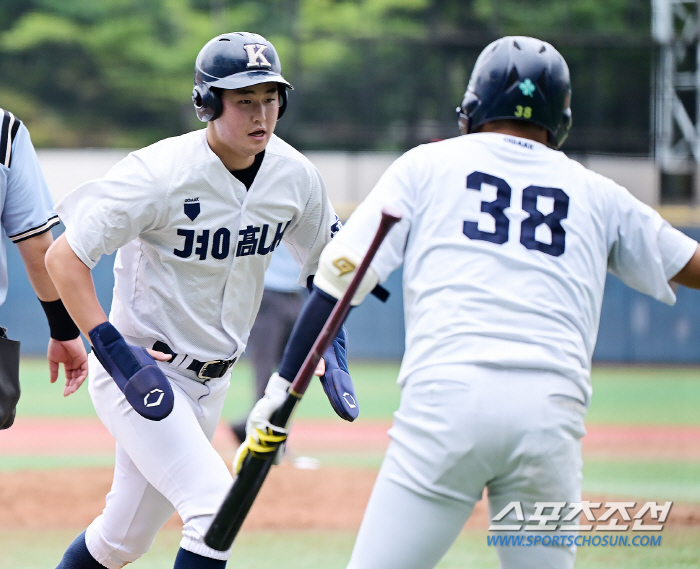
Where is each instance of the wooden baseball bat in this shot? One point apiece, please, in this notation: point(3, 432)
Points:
point(237, 503)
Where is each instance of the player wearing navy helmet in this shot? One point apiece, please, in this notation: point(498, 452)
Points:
point(505, 245)
point(520, 79)
point(233, 61)
point(194, 220)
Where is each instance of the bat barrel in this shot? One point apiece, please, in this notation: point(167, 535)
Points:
point(237, 504)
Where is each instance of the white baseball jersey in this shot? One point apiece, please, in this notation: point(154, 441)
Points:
point(193, 242)
point(505, 245)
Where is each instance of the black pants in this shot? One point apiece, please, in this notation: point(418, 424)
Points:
point(9, 379)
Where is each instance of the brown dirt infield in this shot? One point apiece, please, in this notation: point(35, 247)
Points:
point(292, 498)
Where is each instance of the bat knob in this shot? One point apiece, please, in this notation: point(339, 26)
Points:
point(391, 214)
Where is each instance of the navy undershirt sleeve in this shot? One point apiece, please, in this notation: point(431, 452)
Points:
point(307, 328)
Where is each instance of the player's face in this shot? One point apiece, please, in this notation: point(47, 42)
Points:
point(246, 124)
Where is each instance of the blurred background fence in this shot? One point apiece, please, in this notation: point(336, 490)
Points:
point(368, 74)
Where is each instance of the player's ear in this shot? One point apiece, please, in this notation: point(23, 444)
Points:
point(207, 102)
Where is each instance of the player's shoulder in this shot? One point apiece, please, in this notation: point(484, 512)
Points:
point(436, 153)
point(288, 155)
point(595, 181)
point(9, 131)
point(168, 157)
point(176, 148)
point(465, 144)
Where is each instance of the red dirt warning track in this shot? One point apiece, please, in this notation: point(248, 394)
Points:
point(88, 436)
point(329, 498)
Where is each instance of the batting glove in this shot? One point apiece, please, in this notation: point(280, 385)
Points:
point(262, 438)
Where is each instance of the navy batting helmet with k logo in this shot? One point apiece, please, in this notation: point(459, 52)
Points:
point(234, 61)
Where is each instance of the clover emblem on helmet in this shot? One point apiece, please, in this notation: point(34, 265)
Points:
point(527, 87)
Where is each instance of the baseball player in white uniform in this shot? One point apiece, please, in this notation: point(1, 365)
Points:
point(505, 245)
point(194, 220)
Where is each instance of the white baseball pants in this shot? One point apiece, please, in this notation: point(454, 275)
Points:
point(515, 433)
point(161, 467)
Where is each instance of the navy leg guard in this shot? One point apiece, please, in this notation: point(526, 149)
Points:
point(77, 556)
point(188, 560)
point(135, 372)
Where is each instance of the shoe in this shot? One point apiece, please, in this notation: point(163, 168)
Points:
point(238, 431)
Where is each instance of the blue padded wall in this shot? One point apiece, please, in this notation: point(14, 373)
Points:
point(633, 327)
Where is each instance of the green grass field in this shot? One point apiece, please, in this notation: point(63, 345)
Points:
point(622, 396)
point(374, 382)
point(331, 550)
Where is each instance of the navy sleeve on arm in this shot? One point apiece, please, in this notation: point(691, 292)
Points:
point(307, 328)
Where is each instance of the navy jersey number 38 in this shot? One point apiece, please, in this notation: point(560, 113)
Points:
point(527, 229)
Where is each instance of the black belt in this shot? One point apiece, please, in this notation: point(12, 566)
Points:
point(205, 370)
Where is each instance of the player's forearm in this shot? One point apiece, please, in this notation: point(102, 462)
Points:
point(33, 252)
point(307, 328)
point(73, 282)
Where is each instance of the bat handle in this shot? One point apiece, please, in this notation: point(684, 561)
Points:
point(283, 415)
point(390, 216)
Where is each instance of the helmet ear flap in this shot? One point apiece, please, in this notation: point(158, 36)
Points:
point(566, 119)
point(282, 93)
point(207, 102)
point(557, 138)
point(470, 103)
point(462, 121)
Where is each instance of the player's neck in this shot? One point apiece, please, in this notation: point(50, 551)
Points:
point(231, 157)
point(516, 128)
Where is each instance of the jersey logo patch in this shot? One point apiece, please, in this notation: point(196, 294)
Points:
point(344, 266)
point(192, 208)
point(335, 227)
point(256, 55)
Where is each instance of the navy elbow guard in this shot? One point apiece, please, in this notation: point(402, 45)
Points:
point(337, 382)
point(134, 371)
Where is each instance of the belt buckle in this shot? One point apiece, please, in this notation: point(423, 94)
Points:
point(202, 372)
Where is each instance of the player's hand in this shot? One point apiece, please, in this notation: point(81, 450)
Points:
point(72, 354)
point(262, 438)
point(320, 368)
point(160, 356)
